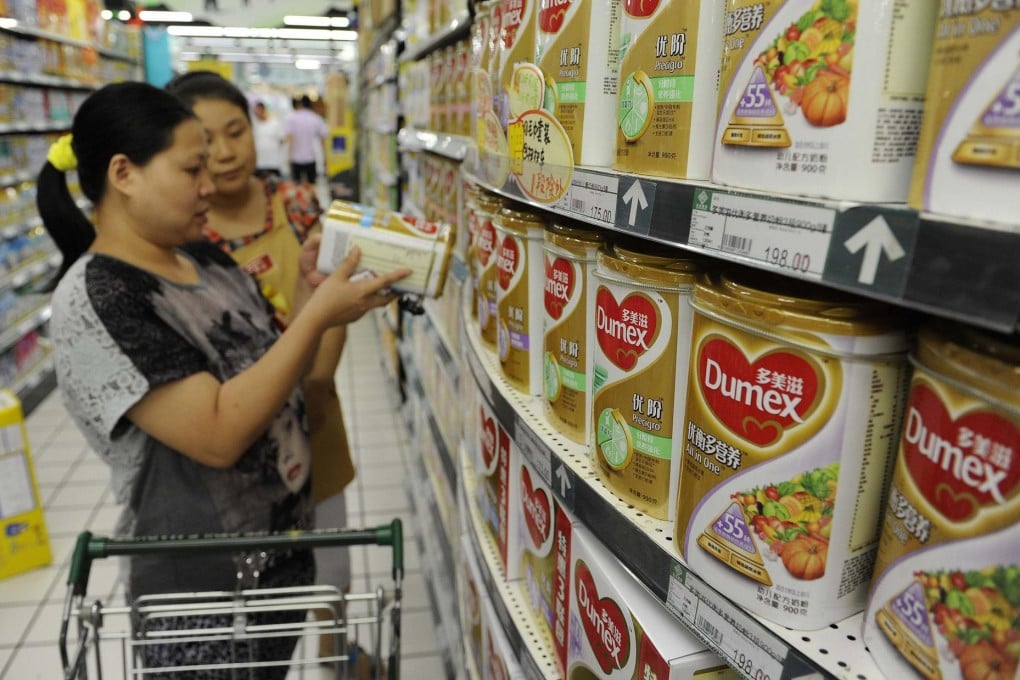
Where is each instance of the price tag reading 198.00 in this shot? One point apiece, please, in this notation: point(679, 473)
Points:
point(591, 197)
point(731, 632)
point(791, 237)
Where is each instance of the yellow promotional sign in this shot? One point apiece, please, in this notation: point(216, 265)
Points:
point(222, 68)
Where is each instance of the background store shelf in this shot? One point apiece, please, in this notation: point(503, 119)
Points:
point(44, 80)
point(951, 268)
point(383, 33)
point(38, 127)
point(645, 546)
point(455, 147)
point(456, 29)
point(17, 178)
point(28, 322)
point(32, 32)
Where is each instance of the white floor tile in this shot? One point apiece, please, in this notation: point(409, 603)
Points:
point(90, 471)
point(26, 588)
point(105, 519)
point(79, 496)
point(422, 667)
point(49, 474)
point(417, 634)
point(66, 521)
point(31, 663)
point(13, 622)
point(46, 626)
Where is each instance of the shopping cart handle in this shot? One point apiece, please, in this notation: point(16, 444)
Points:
point(90, 547)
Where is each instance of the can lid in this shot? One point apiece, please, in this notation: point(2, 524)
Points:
point(988, 361)
point(488, 202)
point(646, 263)
point(762, 298)
point(522, 222)
point(573, 237)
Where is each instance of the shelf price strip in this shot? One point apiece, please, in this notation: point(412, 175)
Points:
point(729, 631)
point(591, 197)
point(791, 237)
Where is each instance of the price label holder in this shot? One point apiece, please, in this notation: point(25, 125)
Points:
point(787, 236)
point(730, 631)
point(591, 197)
point(533, 448)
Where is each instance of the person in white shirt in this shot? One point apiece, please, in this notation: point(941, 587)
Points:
point(269, 143)
point(305, 131)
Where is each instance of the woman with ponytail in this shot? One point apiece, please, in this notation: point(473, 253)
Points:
point(169, 358)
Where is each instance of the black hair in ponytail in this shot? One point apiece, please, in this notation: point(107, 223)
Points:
point(130, 118)
point(196, 86)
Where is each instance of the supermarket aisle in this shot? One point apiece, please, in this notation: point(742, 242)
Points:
point(73, 484)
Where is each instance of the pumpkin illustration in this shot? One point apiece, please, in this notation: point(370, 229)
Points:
point(804, 558)
point(983, 661)
point(824, 102)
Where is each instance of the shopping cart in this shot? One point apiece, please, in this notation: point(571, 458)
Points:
point(251, 616)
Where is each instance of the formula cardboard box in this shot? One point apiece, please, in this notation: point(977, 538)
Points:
point(499, 661)
point(619, 630)
point(542, 557)
point(472, 593)
point(496, 486)
point(24, 543)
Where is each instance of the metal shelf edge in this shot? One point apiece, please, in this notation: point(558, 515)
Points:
point(456, 28)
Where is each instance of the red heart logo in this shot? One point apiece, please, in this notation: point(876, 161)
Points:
point(486, 242)
point(757, 401)
point(513, 13)
point(507, 261)
point(535, 503)
point(649, 658)
point(551, 14)
point(603, 622)
point(559, 286)
point(627, 330)
point(488, 440)
point(640, 8)
point(959, 465)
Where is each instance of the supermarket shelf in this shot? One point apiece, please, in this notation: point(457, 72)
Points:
point(36, 386)
point(645, 546)
point(40, 127)
point(471, 671)
point(27, 323)
point(379, 81)
point(17, 178)
point(443, 345)
point(415, 386)
point(937, 265)
point(509, 599)
point(438, 570)
point(456, 29)
point(33, 269)
point(57, 37)
point(35, 374)
point(455, 147)
point(44, 80)
point(383, 33)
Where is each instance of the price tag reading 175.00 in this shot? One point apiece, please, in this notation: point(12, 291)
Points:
point(784, 235)
point(592, 197)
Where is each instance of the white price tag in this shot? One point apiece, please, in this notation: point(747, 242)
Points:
point(791, 237)
point(733, 634)
point(534, 450)
point(591, 196)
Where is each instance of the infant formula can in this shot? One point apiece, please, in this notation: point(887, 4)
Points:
point(803, 111)
point(970, 136)
point(793, 409)
point(485, 253)
point(520, 281)
point(945, 599)
point(577, 52)
point(569, 337)
point(668, 88)
point(514, 92)
point(642, 329)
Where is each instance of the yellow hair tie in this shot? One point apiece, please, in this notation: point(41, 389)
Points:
point(61, 155)
point(277, 299)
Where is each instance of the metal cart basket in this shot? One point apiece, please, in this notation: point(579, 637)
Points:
point(247, 617)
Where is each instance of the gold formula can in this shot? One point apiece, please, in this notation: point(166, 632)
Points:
point(568, 303)
point(642, 326)
point(945, 599)
point(519, 286)
point(794, 405)
point(486, 243)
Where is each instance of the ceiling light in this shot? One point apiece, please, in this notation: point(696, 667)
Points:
point(106, 14)
point(318, 22)
point(158, 15)
point(124, 15)
point(5, 22)
point(307, 64)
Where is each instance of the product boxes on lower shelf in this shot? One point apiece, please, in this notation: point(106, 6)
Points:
point(498, 659)
point(24, 543)
point(496, 486)
point(543, 553)
point(619, 630)
point(472, 593)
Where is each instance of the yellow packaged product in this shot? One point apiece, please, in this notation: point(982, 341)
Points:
point(486, 247)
